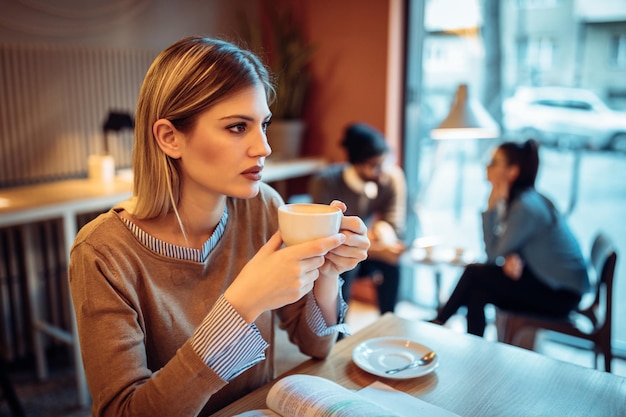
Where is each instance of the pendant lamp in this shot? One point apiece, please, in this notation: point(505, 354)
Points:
point(467, 119)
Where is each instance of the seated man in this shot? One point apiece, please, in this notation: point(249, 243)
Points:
point(375, 190)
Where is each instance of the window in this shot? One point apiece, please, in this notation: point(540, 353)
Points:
point(446, 179)
point(537, 53)
point(537, 4)
point(618, 51)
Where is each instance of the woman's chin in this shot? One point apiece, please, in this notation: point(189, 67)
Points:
point(247, 192)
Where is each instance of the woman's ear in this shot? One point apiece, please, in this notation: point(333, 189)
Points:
point(512, 172)
point(167, 138)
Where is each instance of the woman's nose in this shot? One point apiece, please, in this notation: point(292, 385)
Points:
point(261, 144)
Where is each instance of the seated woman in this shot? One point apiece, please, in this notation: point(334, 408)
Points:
point(177, 292)
point(534, 263)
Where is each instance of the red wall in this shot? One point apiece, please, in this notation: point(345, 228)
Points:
point(349, 69)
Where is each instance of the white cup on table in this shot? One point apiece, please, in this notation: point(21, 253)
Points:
point(428, 252)
point(299, 223)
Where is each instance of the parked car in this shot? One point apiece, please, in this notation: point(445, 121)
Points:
point(565, 117)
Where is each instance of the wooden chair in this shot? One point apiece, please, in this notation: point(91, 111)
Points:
point(591, 321)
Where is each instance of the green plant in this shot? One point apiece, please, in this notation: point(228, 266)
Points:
point(288, 54)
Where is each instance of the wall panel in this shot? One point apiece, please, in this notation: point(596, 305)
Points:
point(53, 102)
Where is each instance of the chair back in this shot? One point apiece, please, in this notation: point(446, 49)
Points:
point(603, 260)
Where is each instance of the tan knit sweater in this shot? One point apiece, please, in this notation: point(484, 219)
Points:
point(136, 311)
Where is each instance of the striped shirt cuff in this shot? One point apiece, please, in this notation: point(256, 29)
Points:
point(315, 319)
point(226, 343)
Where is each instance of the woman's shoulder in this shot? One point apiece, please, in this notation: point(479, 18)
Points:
point(103, 223)
point(103, 230)
point(532, 201)
point(533, 197)
point(528, 196)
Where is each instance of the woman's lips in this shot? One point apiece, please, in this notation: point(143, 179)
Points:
point(253, 174)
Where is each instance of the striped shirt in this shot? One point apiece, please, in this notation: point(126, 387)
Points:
point(224, 340)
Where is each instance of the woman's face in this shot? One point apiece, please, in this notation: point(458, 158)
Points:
point(499, 172)
point(225, 152)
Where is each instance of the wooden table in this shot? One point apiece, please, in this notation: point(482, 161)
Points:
point(475, 377)
point(65, 200)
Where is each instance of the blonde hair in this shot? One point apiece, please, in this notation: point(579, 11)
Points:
point(185, 79)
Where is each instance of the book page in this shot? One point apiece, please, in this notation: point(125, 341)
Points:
point(401, 402)
point(312, 396)
point(258, 413)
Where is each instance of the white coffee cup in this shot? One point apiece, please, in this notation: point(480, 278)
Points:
point(303, 222)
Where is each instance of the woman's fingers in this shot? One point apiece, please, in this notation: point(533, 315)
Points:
point(353, 224)
point(342, 206)
point(272, 245)
point(316, 247)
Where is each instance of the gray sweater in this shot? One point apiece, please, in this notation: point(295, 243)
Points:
point(540, 236)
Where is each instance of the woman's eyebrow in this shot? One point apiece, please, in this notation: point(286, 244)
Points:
point(237, 116)
point(245, 117)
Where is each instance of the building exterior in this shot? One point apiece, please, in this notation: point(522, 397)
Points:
point(576, 43)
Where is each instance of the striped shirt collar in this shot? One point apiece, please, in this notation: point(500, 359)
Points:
point(170, 250)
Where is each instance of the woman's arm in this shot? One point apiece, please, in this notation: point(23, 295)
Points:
point(339, 260)
point(112, 339)
point(503, 237)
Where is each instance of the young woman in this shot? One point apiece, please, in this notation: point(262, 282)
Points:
point(534, 263)
point(176, 291)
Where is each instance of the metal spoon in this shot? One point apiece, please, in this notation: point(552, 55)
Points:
point(424, 360)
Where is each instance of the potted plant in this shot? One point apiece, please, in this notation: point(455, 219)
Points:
point(288, 55)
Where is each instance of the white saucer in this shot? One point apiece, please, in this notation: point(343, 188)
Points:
point(380, 354)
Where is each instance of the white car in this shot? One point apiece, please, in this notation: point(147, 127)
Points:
point(566, 117)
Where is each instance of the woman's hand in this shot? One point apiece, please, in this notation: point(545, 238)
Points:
point(513, 266)
point(278, 276)
point(340, 259)
point(354, 250)
point(499, 192)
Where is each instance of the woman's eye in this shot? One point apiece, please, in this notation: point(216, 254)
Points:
point(237, 128)
point(265, 125)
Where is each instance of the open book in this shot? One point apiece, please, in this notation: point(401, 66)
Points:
point(312, 396)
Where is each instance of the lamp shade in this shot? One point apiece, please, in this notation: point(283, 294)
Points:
point(117, 121)
point(467, 119)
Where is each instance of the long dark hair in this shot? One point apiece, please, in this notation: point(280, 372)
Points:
point(526, 157)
